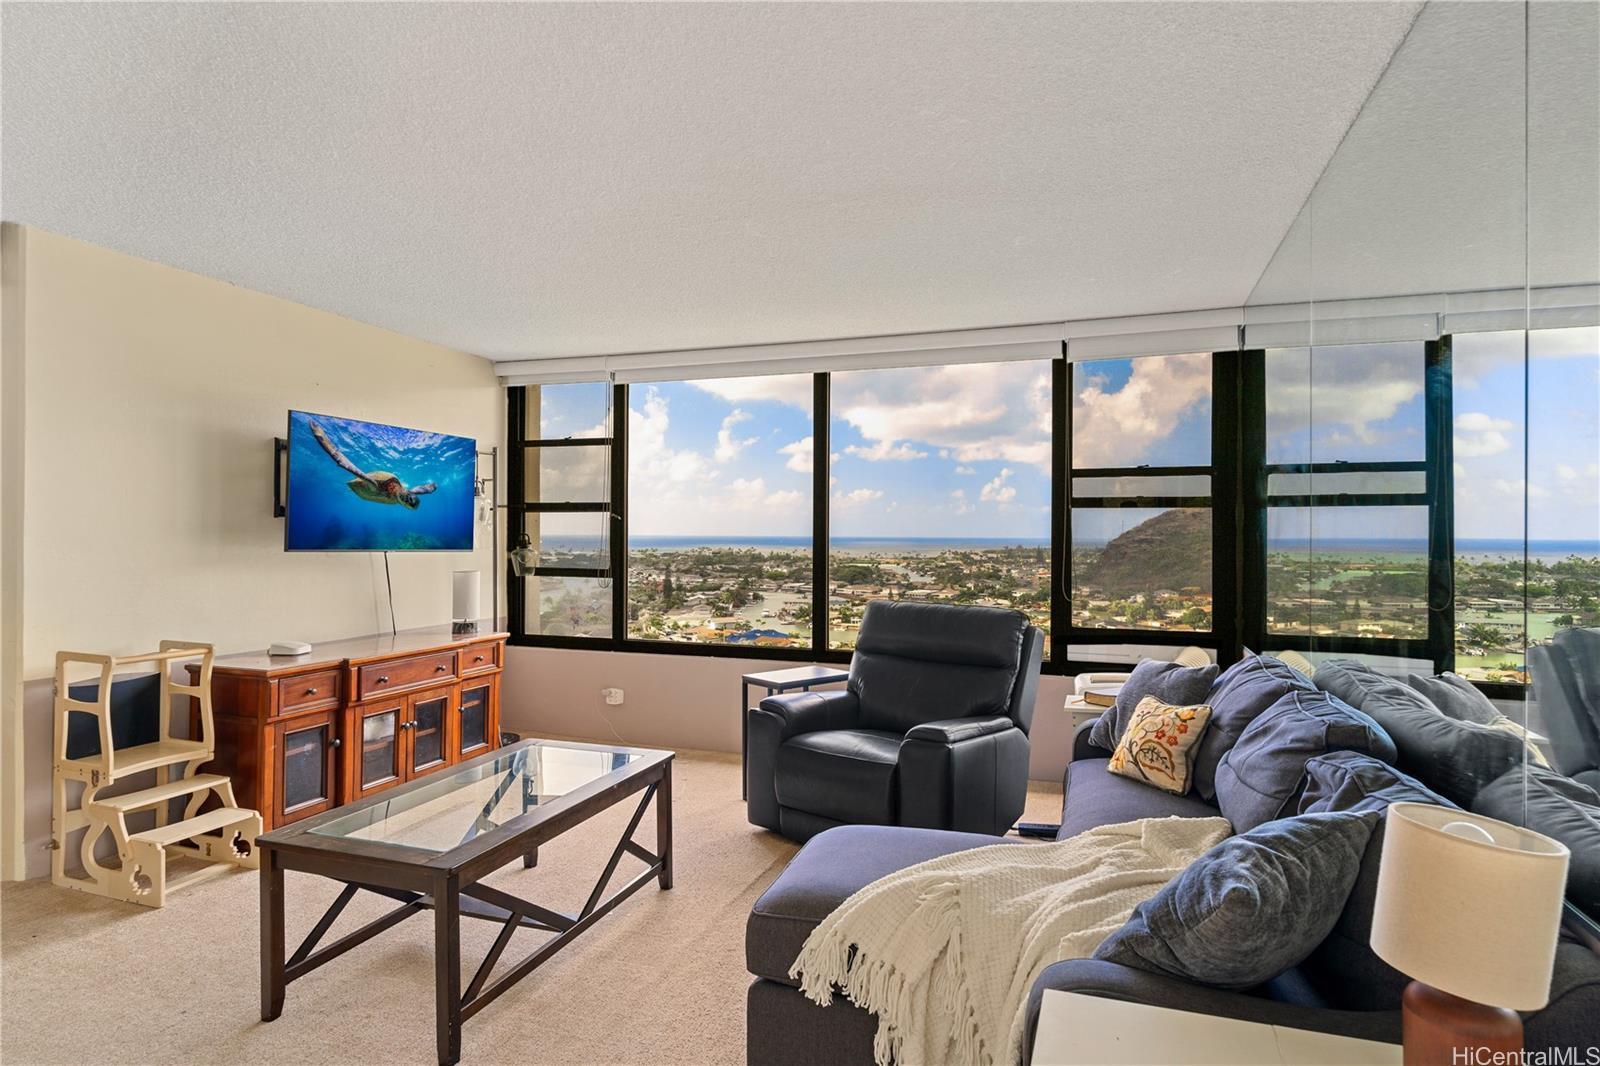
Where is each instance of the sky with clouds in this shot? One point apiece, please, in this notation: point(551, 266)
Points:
point(964, 451)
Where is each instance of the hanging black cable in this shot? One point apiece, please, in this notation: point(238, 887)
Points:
point(388, 581)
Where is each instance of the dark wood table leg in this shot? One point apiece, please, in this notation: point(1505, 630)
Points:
point(271, 934)
point(744, 740)
point(530, 860)
point(664, 824)
point(447, 968)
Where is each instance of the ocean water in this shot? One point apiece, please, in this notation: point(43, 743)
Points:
point(1545, 550)
point(324, 514)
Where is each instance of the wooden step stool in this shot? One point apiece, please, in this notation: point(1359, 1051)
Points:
point(223, 836)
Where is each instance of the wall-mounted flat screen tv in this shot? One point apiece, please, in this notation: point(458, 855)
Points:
point(364, 486)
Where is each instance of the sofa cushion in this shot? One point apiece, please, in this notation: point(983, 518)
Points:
point(847, 774)
point(1180, 686)
point(1344, 969)
point(1355, 781)
point(1242, 692)
point(1456, 697)
point(1582, 646)
point(1093, 797)
point(1261, 776)
point(1560, 808)
point(829, 870)
point(919, 662)
point(1455, 759)
point(1159, 744)
point(1250, 908)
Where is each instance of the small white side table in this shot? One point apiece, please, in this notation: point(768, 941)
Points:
point(1080, 711)
point(1079, 1030)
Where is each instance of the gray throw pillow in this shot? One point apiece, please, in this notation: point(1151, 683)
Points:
point(1177, 686)
point(1560, 808)
point(1244, 690)
point(1261, 776)
point(1252, 907)
point(1453, 758)
point(1344, 967)
point(1457, 697)
point(1355, 781)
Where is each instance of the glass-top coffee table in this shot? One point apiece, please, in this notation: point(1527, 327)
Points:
point(429, 843)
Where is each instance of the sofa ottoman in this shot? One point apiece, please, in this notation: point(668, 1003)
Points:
point(781, 1025)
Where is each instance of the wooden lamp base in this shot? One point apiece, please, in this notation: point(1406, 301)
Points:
point(1440, 1029)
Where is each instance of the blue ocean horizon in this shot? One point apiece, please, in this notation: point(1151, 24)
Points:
point(1543, 549)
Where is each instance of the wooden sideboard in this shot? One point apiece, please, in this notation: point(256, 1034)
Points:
point(303, 734)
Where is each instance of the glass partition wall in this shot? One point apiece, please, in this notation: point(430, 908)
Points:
point(1399, 463)
point(1431, 329)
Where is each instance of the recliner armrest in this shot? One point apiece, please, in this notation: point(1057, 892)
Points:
point(811, 712)
point(1097, 977)
point(955, 730)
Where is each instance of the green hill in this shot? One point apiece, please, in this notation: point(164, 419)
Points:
point(1170, 551)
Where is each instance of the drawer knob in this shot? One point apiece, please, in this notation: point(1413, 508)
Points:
point(382, 678)
point(477, 658)
point(439, 669)
point(335, 742)
point(311, 692)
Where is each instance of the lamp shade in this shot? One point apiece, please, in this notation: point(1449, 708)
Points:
point(464, 588)
point(1469, 905)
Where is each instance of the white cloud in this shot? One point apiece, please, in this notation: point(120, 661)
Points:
point(791, 389)
point(1565, 472)
point(1119, 428)
point(965, 470)
point(885, 450)
point(728, 446)
point(970, 413)
point(787, 498)
point(961, 505)
point(1478, 434)
point(997, 491)
point(680, 491)
point(1349, 393)
point(856, 497)
point(801, 455)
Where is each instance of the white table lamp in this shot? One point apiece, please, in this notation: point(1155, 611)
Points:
point(1470, 909)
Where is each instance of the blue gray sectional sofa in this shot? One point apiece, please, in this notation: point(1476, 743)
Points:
point(1282, 747)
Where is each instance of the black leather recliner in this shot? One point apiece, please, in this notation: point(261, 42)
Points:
point(932, 730)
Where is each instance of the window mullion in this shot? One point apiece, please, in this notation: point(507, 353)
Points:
point(820, 418)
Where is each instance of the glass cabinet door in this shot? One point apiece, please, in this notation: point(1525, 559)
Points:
point(379, 763)
point(474, 720)
point(306, 784)
point(427, 731)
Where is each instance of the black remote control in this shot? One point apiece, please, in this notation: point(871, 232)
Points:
point(1047, 830)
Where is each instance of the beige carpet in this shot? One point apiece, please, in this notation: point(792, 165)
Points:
point(659, 980)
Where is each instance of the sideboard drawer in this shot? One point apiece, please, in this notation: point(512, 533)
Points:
point(478, 658)
point(308, 690)
point(399, 674)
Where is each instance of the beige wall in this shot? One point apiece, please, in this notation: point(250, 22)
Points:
point(688, 701)
point(152, 399)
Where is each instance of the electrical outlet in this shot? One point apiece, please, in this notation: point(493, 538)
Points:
point(612, 696)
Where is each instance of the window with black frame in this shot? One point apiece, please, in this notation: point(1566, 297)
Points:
point(563, 486)
point(1357, 499)
point(1139, 530)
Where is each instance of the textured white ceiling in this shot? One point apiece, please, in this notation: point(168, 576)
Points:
point(546, 179)
point(1461, 173)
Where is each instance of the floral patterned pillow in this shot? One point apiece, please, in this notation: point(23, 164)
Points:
point(1159, 745)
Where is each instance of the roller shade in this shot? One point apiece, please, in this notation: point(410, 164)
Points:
point(1333, 322)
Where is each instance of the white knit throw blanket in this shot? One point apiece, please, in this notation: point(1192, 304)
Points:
point(945, 952)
